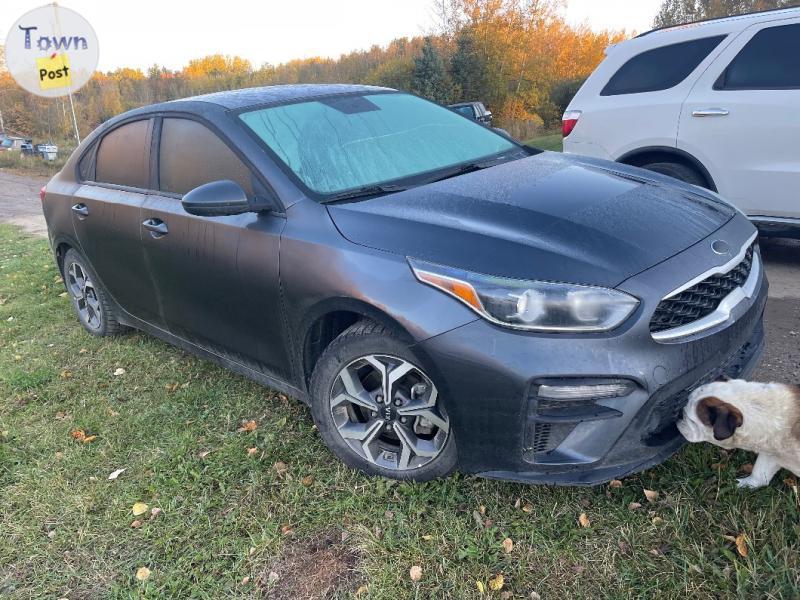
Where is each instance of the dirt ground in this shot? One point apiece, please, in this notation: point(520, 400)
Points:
point(20, 205)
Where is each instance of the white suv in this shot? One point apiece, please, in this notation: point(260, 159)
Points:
point(714, 103)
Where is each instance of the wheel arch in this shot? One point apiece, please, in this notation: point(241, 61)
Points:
point(643, 156)
point(331, 318)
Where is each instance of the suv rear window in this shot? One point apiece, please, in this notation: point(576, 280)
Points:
point(123, 155)
point(769, 61)
point(660, 68)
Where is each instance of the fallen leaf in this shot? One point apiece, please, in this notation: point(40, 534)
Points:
point(82, 351)
point(496, 583)
point(427, 538)
point(287, 530)
point(481, 587)
point(250, 425)
point(245, 580)
point(506, 595)
point(657, 521)
point(651, 495)
point(273, 577)
point(361, 590)
point(280, 468)
point(508, 545)
point(139, 509)
point(482, 509)
point(78, 434)
point(171, 387)
point(143, 574)
point(119, 371)
point(584, 520)
point(154, 512)
point(615, 484)
point(59, 455)
point(65, 374)
point(741, 545)
point(535, 596)
point(203, 453)
point(415, 573)
point(476, 516)
point(527, 508)
point(518, 503)
point(115, 474)
point(136, 524)
point(252, 451)
point(634, 506)
point(307, 481)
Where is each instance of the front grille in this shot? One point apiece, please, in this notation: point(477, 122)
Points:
point(701, 299)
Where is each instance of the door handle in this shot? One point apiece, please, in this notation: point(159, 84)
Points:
point(711, 112)
point(156, 227)
point(81, 210)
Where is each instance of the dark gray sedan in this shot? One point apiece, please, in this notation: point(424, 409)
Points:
point(441, 296)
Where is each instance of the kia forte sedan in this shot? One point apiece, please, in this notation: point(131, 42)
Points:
point(440, 296)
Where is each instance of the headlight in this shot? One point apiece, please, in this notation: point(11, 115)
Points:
point(531, 305)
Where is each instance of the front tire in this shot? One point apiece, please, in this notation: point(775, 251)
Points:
point(94, 308)
point(377, 409)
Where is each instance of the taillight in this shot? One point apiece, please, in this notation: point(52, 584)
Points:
point(568, 121)
point(42, 192)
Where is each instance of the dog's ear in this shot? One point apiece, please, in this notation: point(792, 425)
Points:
point(723, 417)
point(723, 377)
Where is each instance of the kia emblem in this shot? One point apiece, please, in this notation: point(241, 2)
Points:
point(720, 247)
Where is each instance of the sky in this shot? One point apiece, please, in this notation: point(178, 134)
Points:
point(170, 32)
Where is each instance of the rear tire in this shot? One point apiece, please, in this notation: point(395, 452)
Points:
point(93, 306)
point(377, 410)
point(678, 171)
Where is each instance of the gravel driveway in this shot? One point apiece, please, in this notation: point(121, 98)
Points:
point(19, 201)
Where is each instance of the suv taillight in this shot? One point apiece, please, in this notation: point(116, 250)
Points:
point(568, 121)
point(42, 192)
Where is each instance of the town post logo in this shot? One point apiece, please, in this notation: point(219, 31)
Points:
point(51, 51)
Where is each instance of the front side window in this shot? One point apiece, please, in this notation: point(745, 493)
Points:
point(348, 142)
point(660, 68)
point(191, 155)
point(466, 111)
point(769, 61)
point(122, 156)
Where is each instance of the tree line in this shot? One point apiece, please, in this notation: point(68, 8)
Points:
point(519, 57)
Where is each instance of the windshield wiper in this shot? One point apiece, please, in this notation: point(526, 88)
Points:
point(369, 190)
point(471, 167)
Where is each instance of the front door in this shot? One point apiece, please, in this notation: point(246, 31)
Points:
point(207, 269)
point(742, 121)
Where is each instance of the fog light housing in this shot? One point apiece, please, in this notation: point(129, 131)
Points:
point(585, 390)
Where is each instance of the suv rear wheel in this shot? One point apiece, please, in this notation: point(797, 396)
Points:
point(677, 171)
point(377, 409)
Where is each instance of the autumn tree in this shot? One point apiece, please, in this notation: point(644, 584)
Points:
point(675, 12)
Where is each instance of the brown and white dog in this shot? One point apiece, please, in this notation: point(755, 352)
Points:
point(759, 417)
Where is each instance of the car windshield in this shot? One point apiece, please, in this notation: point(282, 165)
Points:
point(349, 142)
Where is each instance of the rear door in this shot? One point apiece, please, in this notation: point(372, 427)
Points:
point(106, 215)
point(742, 120)
point(216, 277)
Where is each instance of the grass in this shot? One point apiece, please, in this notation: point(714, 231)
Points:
point(550, 141)
point(237, 525)
point(35, 165)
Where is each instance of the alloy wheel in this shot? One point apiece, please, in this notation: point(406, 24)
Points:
point(85, 296)
point(387, 410)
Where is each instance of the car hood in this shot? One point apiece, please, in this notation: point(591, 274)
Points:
point(550, 217)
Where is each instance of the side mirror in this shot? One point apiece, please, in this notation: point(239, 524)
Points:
point(488, 114)
point(220, 198)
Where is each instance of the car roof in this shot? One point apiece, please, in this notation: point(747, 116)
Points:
point(747, 18)
point(243, 98)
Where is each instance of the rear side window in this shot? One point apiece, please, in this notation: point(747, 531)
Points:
point(660, 68)
point(191, 155)
point(123, 155)
point(769, 61)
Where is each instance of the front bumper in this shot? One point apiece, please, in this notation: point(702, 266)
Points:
point(490, 377)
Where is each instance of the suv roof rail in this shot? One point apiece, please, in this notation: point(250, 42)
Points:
point(756, 12)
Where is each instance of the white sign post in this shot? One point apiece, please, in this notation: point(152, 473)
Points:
point(52, 52)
